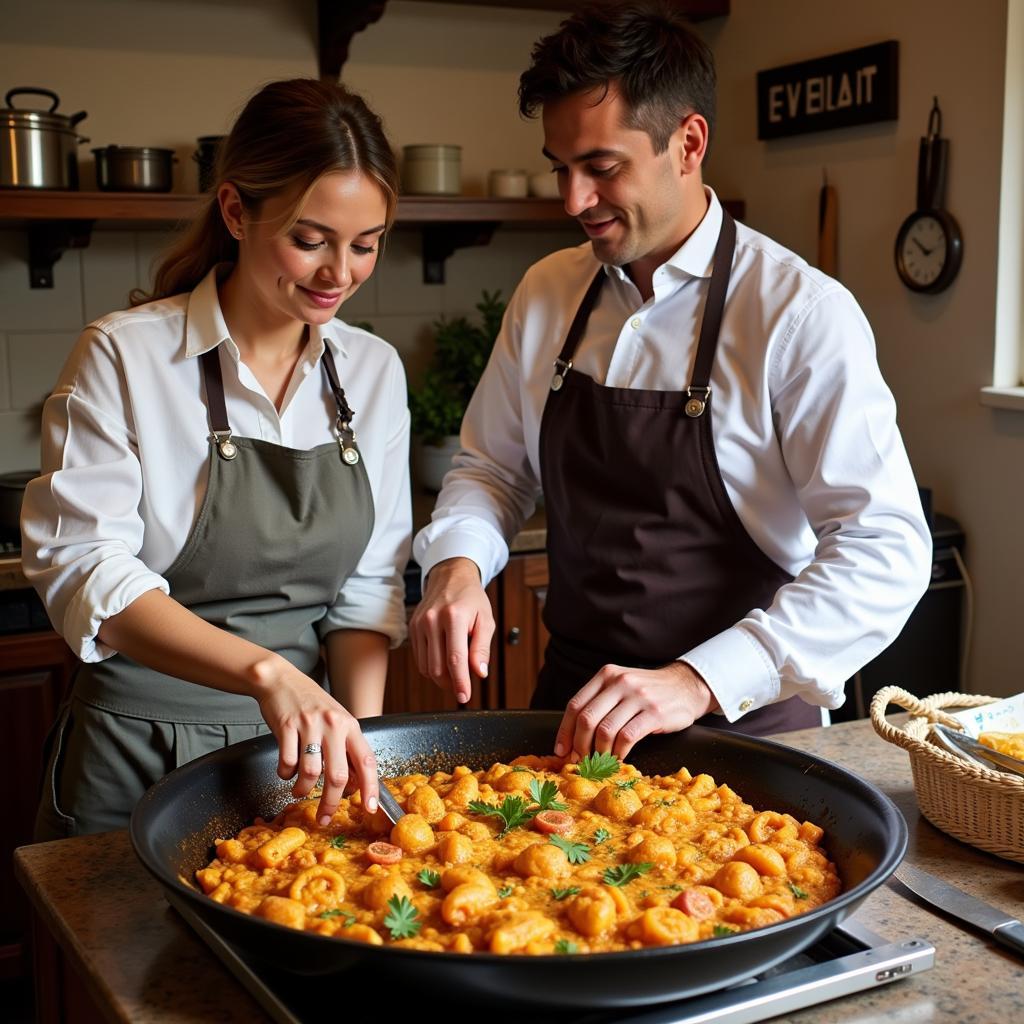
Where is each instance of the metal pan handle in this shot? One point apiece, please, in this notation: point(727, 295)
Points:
point(30, 90)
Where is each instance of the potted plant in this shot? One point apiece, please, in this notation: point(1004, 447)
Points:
point(461, 350)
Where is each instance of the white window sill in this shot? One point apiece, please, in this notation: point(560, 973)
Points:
point(1003, 398)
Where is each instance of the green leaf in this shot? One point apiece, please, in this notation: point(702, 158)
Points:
point(401, 918)
point(721, 930)
point(520, 768)
point(797, 891)
point(339, 842)
point(626, 783)
point(578, 853)
point(622, 874)
point(350, 918)
point(598, 767)
point(560, 894)
point(566, 946)
point(674, 887)
point(431, 879)
point(505, 891)
point(546, 793)
point(601, 835)
point(512, 811)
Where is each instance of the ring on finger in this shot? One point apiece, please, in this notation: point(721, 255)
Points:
point(312, 748)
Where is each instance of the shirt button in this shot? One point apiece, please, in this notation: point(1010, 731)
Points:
point(635, 323)
point(746, 705)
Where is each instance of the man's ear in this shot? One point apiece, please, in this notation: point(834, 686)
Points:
point(691, 140)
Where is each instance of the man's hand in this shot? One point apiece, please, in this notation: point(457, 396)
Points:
point(620, 706)
point(452, 627)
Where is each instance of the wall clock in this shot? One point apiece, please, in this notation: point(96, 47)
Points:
point(929, 246)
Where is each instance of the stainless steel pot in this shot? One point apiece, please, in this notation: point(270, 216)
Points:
point(39, 149)
point(134, 169)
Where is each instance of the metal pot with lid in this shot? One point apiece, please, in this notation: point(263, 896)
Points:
point(39, 148)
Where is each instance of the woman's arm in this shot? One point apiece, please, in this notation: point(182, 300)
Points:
point(161, 634)
point(357, 664)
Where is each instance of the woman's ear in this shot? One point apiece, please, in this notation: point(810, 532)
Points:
point(691, 138)
point(231, 209)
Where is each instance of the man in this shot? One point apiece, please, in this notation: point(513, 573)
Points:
point(733, 525)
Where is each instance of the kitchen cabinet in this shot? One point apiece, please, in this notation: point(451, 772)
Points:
point(35, 670)
point(517, 651)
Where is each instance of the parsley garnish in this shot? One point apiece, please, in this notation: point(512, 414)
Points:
point(560, 894)
point(401, 918)
point(578, 853)
point(546, 793)
point(598, 766)
point(664, 803)
point(566, 946)
point(339, 842)
point(505, 891)
point(512, 812)
point(431, 879)
point(520, 768)
point(720, 930)
point(797, 891)
point(675, 887)
point(622, 874)
point(601, 835)
point(349, 917)
point(626, 783)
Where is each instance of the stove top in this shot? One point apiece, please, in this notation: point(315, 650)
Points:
point(849, 959)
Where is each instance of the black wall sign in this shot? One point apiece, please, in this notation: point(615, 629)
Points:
point(843, 89)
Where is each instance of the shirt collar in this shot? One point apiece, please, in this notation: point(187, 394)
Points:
point(696, 256)
point(205, 328)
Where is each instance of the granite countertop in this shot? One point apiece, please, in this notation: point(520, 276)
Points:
point(142, 964)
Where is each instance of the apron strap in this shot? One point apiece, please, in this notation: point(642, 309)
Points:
point(214, 380)
point(345, 413)
point(715, 303)
point(579, 322)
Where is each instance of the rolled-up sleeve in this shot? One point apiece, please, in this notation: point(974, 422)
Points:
point(81, 527)
point(373, 597)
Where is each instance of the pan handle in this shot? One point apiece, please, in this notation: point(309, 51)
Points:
point(30, 90)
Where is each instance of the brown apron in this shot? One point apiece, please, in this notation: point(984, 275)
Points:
point(648, 558)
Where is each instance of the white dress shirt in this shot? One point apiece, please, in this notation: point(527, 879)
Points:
point(126, 459)
point(805, 435)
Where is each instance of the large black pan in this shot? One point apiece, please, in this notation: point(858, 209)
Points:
point(177, 821)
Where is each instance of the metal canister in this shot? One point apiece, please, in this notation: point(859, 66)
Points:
point(431, 170)
point(38, 148)
point(134, 169)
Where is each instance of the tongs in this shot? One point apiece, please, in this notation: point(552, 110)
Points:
point(976, 753)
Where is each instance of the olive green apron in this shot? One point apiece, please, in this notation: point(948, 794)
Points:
point(278, 533)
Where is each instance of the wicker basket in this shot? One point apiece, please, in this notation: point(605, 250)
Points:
point(975, 805)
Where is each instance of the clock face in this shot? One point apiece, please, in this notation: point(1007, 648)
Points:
point(924, 250)
point(928, 250)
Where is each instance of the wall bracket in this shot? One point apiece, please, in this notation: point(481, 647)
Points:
point(47, 242)
point(441, 240)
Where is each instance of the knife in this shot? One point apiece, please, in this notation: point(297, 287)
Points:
point(953, 901)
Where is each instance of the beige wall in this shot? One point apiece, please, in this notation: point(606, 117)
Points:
point(162, 72)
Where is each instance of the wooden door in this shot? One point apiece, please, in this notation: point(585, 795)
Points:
point(524, 638)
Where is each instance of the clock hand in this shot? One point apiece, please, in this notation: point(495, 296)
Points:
point(926, 252)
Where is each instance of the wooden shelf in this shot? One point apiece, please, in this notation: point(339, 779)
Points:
point(19, 207)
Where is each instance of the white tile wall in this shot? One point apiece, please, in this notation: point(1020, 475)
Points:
point(39, 326)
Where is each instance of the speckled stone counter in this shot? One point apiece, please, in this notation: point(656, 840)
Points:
point(140, 963)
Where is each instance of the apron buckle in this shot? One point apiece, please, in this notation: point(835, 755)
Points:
point(696, 401)
point(225, 446)
point(562, 367)
point(349, 454)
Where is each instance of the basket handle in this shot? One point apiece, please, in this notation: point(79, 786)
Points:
point(928, 707)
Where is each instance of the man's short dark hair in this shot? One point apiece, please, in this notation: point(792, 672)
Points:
point(662, 69)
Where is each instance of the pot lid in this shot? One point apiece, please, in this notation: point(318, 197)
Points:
point(134, 151)
point(39, 120)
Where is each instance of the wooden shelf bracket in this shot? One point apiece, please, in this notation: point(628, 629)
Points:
point(47, 242)
point(441, 240)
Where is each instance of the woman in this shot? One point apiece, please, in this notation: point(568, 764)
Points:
point(207, 514)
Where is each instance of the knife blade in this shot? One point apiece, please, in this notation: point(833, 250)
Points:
point(389, 805)
point(965, 908)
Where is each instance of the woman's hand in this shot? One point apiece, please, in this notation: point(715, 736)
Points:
point(620, 706)
point(301, 716)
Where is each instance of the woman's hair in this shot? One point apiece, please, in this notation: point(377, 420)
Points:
point(290, 134)
point(644, 47)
